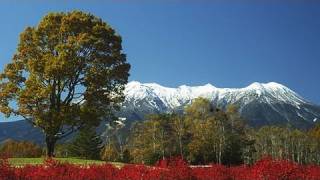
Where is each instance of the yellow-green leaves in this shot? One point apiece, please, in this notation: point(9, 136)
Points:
point(67, 58)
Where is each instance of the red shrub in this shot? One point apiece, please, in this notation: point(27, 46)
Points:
point(174, 168)
point(311, 172)
point(270, 169)
point(240, 172)
point(6, 172)
point(169, 169)
point(132, 172)
point(214, 172)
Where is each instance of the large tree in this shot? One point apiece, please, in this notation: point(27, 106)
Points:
point(68, 71)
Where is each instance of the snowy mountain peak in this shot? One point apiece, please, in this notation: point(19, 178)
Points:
point(133, 84)
point(207, 88)
point(275, 85)
point(172, 97)
point(261, 102)
point(255, 85)
point(268, 86)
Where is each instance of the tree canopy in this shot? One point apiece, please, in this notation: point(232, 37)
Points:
point(202, 134)
point(69, 70)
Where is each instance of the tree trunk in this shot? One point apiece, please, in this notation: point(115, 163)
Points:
point(220, 152)
point(50, 141)
point(154, 138)
point(180, 144)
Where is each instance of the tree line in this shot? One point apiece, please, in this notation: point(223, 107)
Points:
point(202, 134)
point(21, 149)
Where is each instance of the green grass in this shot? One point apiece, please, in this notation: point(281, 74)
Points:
point(37, 161)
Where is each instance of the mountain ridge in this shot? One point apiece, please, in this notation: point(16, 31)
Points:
point(142, 98)
point(259, 103)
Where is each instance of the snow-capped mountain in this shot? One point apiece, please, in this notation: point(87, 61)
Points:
point(259, 103)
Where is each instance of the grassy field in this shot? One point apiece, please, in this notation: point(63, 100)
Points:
point(36, 161)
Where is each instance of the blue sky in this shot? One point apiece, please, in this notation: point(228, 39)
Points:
point(225, 43)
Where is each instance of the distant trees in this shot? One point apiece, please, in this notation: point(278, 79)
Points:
point(68, 71)
point(286, 143)
point(24, 149)
point(115, 143)
point(202, 135)
point(110, 153)
point(155, 139)
point(205, 135)
point(209, 137)
point(216, 135)
point(62, 150)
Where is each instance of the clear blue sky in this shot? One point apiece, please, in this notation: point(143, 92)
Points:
point(225, 43)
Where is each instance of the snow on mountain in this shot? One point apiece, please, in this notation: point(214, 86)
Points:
point(175, 97)
point(259, 102)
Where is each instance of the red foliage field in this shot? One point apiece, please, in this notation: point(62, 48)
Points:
point(172, 169)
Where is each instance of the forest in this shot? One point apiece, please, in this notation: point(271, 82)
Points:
point(203, 134)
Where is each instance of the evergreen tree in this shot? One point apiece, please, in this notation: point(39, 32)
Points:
point(87, 144)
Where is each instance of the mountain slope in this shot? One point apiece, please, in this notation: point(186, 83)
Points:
point(259, 103)
point(20, 130)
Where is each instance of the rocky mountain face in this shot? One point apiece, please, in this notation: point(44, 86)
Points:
point(260, 104)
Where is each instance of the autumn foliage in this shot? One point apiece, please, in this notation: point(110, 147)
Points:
point(168, 169)
point(21, 149)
